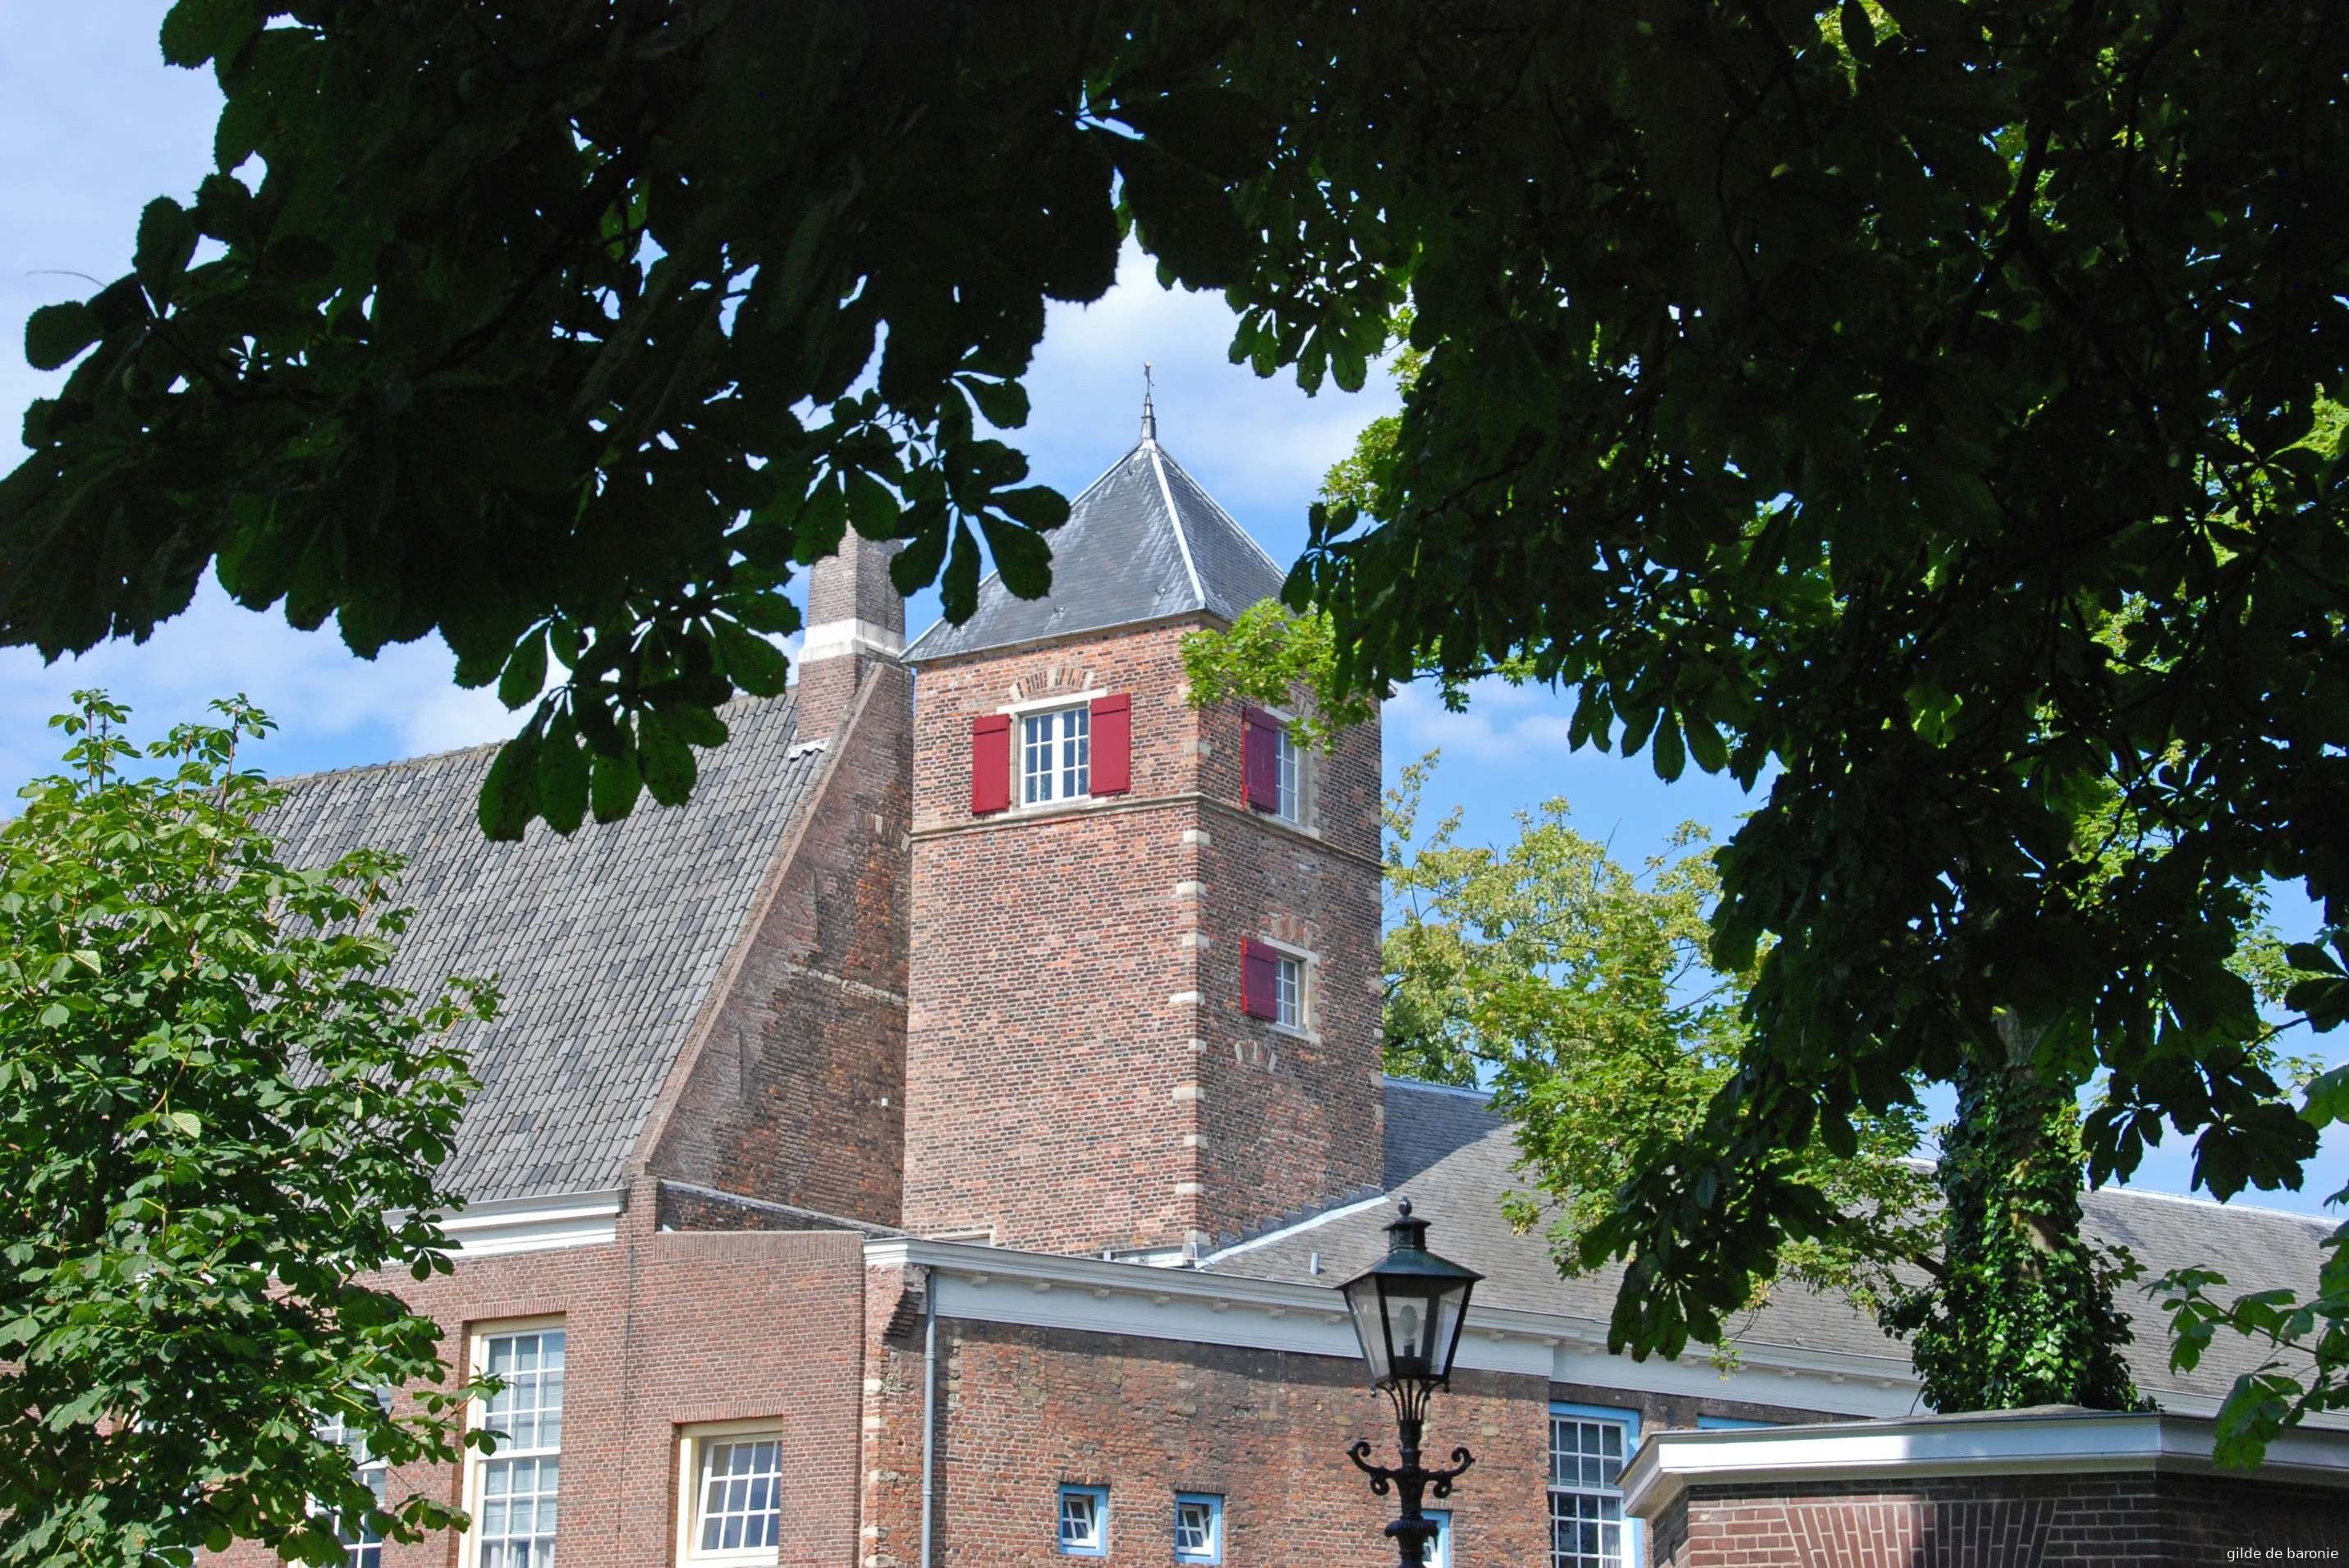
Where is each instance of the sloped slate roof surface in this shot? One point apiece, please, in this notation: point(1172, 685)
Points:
point(1145, 541)
point(606, 943)
point(1450, 1155)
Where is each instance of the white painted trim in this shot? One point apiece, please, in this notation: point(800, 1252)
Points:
point(1042, 1290)
point(1995, 1443)
point(832, 639)
point(690, 1441)
point(534, 1224)
point(1286, 1231)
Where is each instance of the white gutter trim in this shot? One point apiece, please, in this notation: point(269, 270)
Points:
point(535, 1224)
point(1046, 1290)
point(1994, 1443)
point(1313, 1222)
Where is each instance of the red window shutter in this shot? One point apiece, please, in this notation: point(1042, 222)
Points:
point(1260, 980)
point(1113, 745)
point(1260, 759)
point(990, 764)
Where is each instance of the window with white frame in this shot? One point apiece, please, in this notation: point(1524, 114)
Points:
point(732, 1483)
point(1288, 991)
point(515, 1486)
point(1198, 1527)
point(1056, 756)
point(1084, 1520)
point(1587, 1451)
point(1290, 762)
point(365, 1546)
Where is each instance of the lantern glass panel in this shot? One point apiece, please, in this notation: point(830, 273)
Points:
point(1366, 1302)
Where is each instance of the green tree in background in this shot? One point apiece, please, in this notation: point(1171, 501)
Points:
point(213, 1118)
point(1916, 402)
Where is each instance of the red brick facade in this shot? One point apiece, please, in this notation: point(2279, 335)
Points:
point(1023, 1411)
point(793, 1086)
point(2005, 1521)
point(1080, 1074)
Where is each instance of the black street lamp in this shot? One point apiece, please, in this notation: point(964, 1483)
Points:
point(1407, 1312)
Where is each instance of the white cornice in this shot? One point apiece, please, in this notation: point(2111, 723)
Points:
point(1090, 1295)
point(1999, 1443)
point(534, 1224)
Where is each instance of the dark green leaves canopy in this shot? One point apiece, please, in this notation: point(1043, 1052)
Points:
point(1918, 407)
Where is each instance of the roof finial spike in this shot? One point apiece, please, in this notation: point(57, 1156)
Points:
point(1149, 418)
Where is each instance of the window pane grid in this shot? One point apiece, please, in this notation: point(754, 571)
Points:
point(1081, 1522)
point(527, 1413)
point(1586, 1497)
point(1284, 750)
point(1056, 756)
point(1288, 990)
point(517, 1519)
point(741, 1502)
point(1198, 1527)
point(365, 1546)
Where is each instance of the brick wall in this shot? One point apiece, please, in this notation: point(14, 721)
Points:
point(793, 1088)
point(1079, 1075)
point(2008, 1521)
point(1025, 1411)
point(664, 1330)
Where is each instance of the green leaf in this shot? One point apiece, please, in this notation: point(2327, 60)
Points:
point(614, 785)
point(872, 508)
point(195, 31)
point(509, 794)
point(1669, 757)
point(187, 1123)
point(55, 334)
point(1039, 506)
point(1021, 557)
point(563, 768)
point(666, 759)
point(752, 662)
point(1003, 404)
point(55, 1015)
point(525, 672)
point(166, 238)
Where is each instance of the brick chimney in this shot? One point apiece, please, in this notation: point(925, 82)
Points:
point(855, 619)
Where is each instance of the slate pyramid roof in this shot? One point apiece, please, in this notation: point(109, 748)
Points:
point(1144, 543)
point(606, 945)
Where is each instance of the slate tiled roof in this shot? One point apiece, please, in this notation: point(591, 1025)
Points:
point(1144, 543)
point(606, 943)
point(1447, 1152)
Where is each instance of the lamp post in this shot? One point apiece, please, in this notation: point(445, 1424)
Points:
point(1407, 1312)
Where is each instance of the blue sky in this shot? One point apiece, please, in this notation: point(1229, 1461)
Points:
point(94, 125)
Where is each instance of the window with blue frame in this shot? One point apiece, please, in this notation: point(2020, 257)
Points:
point(1084, 1520)
point(1198, 1527)
point(1588, 1447)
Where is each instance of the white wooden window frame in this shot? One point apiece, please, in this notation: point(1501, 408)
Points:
point(1307, 1024)
point(1628, 1533)
point(477, 1464)
point(1300, 778)
point(693, 1444)
point(366, 1547)
point(1020, 713)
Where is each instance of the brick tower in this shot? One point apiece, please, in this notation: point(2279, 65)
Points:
point(1143, 990)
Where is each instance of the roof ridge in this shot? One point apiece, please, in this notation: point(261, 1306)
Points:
point(1262, 553)
point(2226, 1205)
point(1158, 461)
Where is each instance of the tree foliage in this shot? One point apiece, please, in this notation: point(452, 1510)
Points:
point(1915, 402)
point(1581, 995)
point(213, 1116)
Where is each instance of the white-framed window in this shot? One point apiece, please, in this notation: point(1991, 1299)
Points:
point(1290, 762)
point(730, 1481)
point(365, 1546)
point(514, 1488)
point(1084, 1520)
point(1288, 991)
point(1198, 1527)
point(1588, 1447)
point(1056, 755)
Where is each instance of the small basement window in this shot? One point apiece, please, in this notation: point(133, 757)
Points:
point(1084, 1520)
point(1056, 756)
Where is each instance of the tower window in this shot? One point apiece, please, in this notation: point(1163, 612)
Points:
point(1288, 991)
point(1056, 756)
point(1287, 772)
